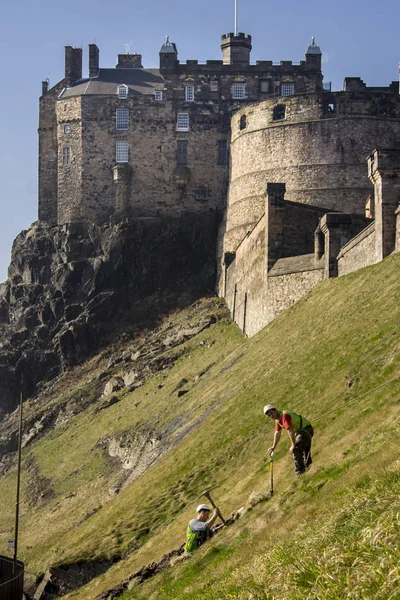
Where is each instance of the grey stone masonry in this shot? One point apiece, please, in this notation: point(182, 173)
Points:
point(384, 173)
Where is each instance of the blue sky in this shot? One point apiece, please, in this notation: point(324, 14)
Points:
point(358, 38)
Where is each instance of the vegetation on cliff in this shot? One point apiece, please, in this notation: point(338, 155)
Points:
point(119, 449)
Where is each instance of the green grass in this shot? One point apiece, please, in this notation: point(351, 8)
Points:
point(329, 532)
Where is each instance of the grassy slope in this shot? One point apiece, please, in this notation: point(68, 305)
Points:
point(331, 534)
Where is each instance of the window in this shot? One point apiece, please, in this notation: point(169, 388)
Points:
point(201, 193)
point(189, 93)
point(158, 95)
point(239, 91)
point(279, 112)
point(67, 128)
point(122, 152)
point(182, 122)
point(214, 87)
point(122, 91)
point(223, 152)
point(243, 122)
point(265, 86)
point(122, 118)
point(287, 89)
point(67, 155)
point(181, 154)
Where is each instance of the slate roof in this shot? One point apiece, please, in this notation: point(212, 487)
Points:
point(139, 81)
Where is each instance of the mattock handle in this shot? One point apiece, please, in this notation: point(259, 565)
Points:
point(207, 495)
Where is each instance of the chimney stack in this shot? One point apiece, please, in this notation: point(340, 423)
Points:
point(73, 65)
point(93, 60)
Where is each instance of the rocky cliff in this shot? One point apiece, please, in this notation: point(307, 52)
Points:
point(71, 288)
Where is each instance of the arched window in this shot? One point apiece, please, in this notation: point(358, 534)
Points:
point(243, 122)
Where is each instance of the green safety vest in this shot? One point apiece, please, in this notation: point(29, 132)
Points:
point(298, 422)
point(194, 539)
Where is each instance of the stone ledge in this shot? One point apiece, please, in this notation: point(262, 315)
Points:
point(296, 264)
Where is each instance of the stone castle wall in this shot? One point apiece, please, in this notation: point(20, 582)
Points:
point(359, 252)
point(318, 150)
point(87, 188)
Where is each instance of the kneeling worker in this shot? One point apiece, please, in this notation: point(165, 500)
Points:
point(199, 529)
point(300, 432)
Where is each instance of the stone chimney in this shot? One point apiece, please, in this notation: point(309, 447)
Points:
point(129, 61)
point(73, 65)
point(93, 60)
point(236, 49)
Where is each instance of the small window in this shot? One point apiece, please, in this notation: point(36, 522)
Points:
point(279, 112)
point(122, 119)
point(238, 91)
point(330, 108)
point(287, 89)
point(243, 122)
point(67, 155)
point(223, 152)
point(201, 193)
point(181, 154)
point(158, 95)
point(122, 152)
point(214, 87)
point(182, 122)
point(189, 93)
point(67, 128)
point(265, 86)
point(122, 92)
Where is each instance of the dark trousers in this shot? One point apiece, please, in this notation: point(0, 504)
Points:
point(302, 450)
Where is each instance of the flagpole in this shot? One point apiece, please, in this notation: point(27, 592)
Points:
point(236, 17)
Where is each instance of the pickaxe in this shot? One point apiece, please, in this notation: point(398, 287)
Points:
point(208, 496)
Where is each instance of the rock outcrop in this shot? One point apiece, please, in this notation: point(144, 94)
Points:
point(71, 288)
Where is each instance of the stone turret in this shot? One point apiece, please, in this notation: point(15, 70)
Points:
point(236, 49)
point(168, 55)
point(314, 56)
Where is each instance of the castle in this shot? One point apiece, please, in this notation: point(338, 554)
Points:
point(231, 137)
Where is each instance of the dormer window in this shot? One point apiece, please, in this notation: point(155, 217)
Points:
point(158, 95)
point(239, 91)
point(122, 91)
point(189, 93)
point(287, 89)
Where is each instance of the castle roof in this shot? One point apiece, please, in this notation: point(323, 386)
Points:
point(168, 47)
point(139, 81)
point(313, 48)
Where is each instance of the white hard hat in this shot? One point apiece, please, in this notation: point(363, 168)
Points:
point(268, 407)
point(203, 507)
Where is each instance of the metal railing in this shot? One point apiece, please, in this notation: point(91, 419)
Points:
point(11, 579)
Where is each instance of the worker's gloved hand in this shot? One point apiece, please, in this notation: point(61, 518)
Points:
point(271, 451)
point(217, 512)
point(291, 449)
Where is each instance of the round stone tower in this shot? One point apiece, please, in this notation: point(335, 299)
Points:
point(316, 144)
